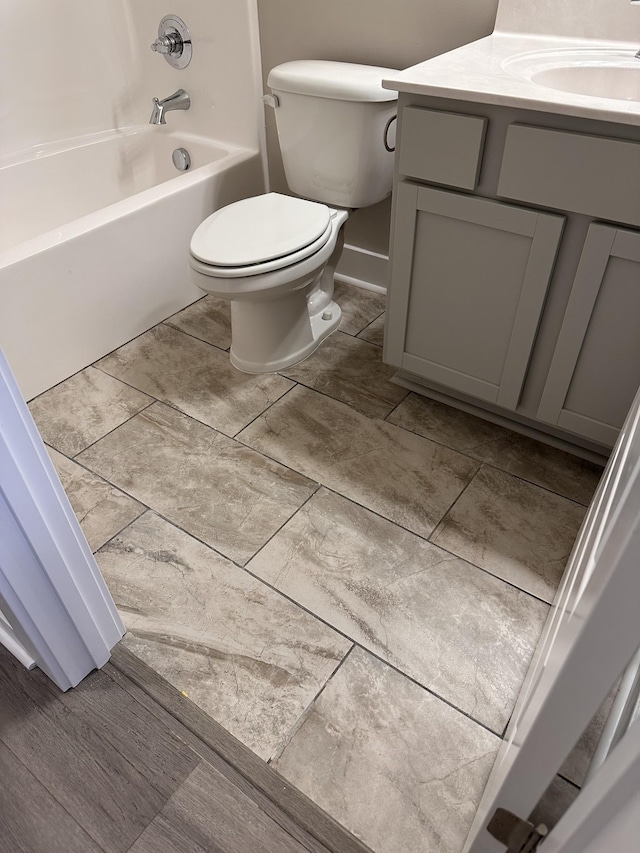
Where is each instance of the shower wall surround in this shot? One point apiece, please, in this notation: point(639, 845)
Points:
point(78, 68)
point(97, 220)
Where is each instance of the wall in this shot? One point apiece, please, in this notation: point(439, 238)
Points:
point(224, 77)
point(58, 61)
point(616, 20)
point(375, 32)
point(84, 66)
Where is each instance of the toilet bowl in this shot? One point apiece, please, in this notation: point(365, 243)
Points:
point(273, 257)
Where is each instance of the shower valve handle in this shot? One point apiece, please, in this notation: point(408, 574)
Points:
point(168, 43)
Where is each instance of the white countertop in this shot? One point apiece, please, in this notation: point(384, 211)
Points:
point(476, 72)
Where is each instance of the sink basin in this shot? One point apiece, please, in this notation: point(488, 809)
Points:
point(595, 72)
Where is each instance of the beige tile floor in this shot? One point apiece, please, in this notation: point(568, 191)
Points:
point(350, 578)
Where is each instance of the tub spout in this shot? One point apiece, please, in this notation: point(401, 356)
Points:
point(178, 101)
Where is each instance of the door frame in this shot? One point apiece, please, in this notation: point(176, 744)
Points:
point(57, 611)
point(590, 637)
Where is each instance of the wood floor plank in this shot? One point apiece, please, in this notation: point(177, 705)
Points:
point(31, 820)
point(109, 769)
point(208, 813)
point(107, 796)
point(243, 784)
point(162, 758)
point(297, 813)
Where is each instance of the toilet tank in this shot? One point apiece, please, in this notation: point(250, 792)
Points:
point(331, 119)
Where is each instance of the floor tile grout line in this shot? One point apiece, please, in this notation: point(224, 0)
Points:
point(536, 485)
point(491, 574)
point(299, 722)
point(176, 408)
point(483, 462)
point(135, 414)
point(352, 406)
point(428, 539)
point(246, 568)
point(373, 418)
point(364, 329)
point(263, 412)
point(374, 654)
point(470, 562)
point(145, 510)
point(280, 373)
point(453, 503)
point(191, 335)
point(295, 471)
point(104, 480)
point(283, 525)
point(238, 439)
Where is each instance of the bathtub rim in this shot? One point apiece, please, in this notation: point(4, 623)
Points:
point(231, 155)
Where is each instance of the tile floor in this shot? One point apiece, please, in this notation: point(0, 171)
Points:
point(350, 578)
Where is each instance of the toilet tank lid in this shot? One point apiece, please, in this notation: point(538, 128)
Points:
point(341, 81)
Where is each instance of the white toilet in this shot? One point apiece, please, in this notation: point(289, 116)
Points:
point(274, 256)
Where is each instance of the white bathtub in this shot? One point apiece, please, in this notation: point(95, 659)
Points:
point(94, 237)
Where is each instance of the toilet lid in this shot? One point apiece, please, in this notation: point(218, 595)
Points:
point(260, 229)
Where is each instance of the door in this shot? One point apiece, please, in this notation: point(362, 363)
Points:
point(595, 369)
point(589, 639)
point(469, 281)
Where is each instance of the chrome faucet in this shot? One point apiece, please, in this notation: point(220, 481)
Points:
point(178, 101)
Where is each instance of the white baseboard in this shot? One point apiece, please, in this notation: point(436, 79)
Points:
point(363, 268)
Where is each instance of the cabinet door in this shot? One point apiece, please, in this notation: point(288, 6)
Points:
point(595, 370)
point(469, 280)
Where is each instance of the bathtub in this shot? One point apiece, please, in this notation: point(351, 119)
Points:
point(94, 238)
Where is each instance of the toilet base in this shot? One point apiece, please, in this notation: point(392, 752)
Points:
point(270, 336)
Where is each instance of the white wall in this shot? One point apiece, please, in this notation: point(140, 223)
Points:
point(71, 67)
point(59, 60)
point(224, 76)
point(376, 32)
point(617, 20)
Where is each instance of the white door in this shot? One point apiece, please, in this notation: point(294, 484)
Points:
point(592, 634)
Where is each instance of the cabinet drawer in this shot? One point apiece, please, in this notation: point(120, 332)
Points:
point(571, 171)
point(444, 148)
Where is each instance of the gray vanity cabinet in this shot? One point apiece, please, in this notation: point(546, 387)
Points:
point(595, 371)
point(470, 276)
point(515, 270)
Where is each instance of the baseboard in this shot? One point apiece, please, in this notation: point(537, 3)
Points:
point(363, 268)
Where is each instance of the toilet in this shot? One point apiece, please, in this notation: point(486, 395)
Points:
point(273, 256)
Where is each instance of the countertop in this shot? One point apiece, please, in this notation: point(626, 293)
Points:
point(480, 72)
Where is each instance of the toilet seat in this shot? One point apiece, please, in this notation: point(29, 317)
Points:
point(261, 234)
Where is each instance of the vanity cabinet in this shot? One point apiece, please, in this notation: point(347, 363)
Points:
point(595, 371)
point(479, 312)
point(469, 285)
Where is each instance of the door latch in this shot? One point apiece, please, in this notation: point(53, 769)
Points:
point(517, 834)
